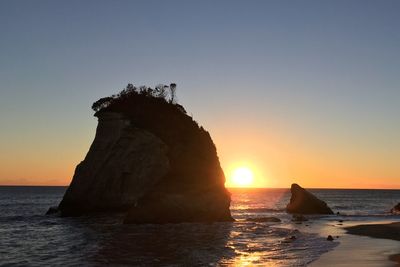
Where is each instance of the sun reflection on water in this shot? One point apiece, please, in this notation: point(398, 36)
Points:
point(268, 243)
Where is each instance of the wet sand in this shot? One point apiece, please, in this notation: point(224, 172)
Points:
point(384, 231)
point(361, 245)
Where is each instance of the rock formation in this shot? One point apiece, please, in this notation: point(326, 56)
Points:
point(122, 164)
point(396, 209)
point(151, 160)
point(303, 202)
point(191, 206)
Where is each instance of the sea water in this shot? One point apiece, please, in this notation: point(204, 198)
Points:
point(30, 238)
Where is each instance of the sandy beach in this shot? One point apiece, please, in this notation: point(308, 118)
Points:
point(384, 231)
point(373, 244)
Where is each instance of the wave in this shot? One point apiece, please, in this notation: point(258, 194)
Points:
point(258, 210)
point(359, 215)
point(20, 218)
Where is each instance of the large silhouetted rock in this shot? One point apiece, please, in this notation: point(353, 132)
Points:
point(122, 165)
point(396, 209)
point(303, 202)
point(152, 160)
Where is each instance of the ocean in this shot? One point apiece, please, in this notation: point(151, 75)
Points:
point(28, 237)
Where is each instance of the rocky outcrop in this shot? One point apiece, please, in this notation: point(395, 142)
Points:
point(122, 165)
point(150, 160)
point(186, 207)
point(303, 202)
point(396, 209)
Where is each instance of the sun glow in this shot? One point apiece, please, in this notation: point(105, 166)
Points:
point(242, 177)
point(246, 174)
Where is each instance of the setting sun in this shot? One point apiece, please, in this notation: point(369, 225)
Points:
point(242, 177)
point(246, 173)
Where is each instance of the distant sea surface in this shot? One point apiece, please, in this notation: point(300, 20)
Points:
point(30, 238)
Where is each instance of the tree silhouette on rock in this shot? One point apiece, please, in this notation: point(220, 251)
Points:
point(161, 92)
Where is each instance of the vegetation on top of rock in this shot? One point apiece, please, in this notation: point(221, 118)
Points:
point(161, 93)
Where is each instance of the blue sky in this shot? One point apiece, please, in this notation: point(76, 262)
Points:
point(261, 76)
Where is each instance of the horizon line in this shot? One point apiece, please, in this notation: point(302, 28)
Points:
point(331, 188)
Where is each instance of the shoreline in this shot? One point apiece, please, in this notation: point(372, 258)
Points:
point(360, 246)
point(384, 231)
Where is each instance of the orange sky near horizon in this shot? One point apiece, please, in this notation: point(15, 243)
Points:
point(277, 159)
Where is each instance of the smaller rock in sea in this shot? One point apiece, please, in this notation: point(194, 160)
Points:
point(329, 238)
point(304, 202)
point(396, 209)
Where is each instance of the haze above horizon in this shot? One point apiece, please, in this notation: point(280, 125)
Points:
point(304, 92)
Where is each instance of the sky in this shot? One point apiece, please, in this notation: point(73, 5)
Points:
point(296, 91)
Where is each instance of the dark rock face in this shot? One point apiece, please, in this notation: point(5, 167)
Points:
point(154, 162)
point(122, 165)
point(176, 208)
point(303, 202)
point(396, 209)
